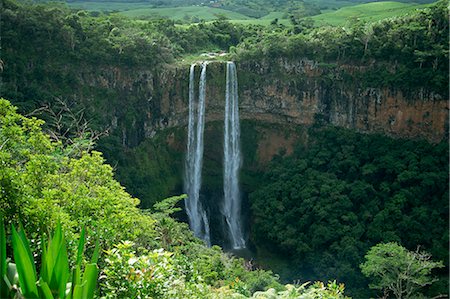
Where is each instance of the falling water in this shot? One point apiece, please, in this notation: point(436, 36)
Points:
point(198, 219)
point(232, 161)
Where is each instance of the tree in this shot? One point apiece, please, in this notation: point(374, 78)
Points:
point(395, 269)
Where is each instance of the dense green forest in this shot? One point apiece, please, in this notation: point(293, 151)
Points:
point(343, 192)
point(312, 215)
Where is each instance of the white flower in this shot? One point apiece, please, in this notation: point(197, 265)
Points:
point(132, 260)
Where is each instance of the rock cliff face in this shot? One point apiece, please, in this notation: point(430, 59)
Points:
point(300, 92)
point(305, 91)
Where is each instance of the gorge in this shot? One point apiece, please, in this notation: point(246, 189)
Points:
point(276, 115)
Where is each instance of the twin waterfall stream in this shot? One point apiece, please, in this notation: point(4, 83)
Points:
point(231, 205)
point(198, 219)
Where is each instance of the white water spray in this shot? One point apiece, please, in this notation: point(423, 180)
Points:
point(198, 219)
point(232, 161)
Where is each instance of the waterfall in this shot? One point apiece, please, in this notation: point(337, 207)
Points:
point(231, 208)
point(198, 219)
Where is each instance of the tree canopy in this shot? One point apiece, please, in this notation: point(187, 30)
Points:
point(395, 269)
point(344, 192)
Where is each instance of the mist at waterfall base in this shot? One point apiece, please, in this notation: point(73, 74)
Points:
point(214, 212)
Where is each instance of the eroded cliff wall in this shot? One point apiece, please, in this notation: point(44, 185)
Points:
point(301, 92)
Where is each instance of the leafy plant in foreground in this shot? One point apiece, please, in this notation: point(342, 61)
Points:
point(55, 278)
point(318, 290)
point(148, 274)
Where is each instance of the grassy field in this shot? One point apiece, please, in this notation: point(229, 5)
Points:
point(265, 20)
point(142, 9)
point(179, 13)
point(329, 5)
point(369, 12)
point(108, 6)
point(273, 15)
point(324, 5)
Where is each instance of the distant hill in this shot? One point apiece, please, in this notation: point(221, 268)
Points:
point(263, 12)
point(368, 12)
point(188, 13)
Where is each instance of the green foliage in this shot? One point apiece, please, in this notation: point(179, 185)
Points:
point(344, 192)
point(156, 171)
point(55, 278)
point(392, 268)
point(26, 268)
point(370, 12)
point(317, 290)
point(162, 274)
point(222, 271)
point(77, 37)
point(167, 206)
point(43, 184)
point(152, 274)
point(170, 233)
point(4, 287)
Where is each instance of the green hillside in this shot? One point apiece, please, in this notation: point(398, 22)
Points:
point(369, 12)
point(373, 11)
point(188, 12)
point(330, 5)
point(108, 6)
point(265, 20)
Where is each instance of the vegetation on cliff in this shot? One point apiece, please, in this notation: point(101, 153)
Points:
point(407, 52)
point(45, 183)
